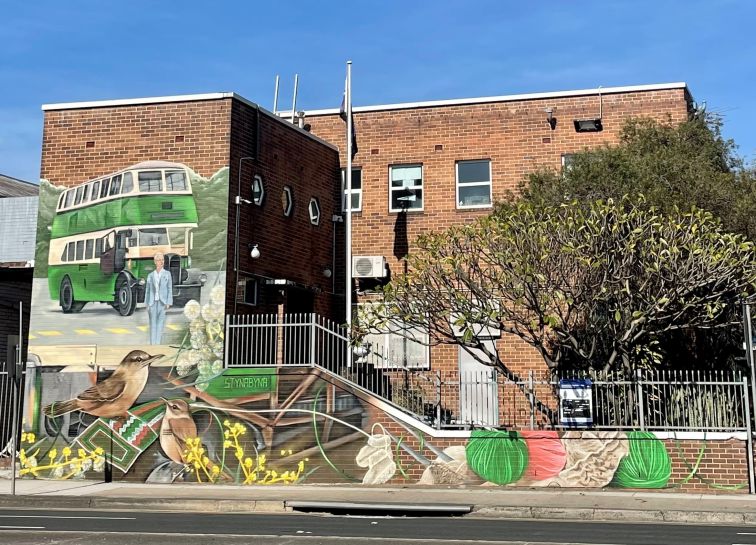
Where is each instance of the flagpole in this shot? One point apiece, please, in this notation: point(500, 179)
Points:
point(349, 209)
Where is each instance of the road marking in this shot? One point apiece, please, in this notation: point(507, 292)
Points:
point(85, 332)
point(142, 328)
point(308, 539)
point(118, 330)
point(49, 333)
point(31, 337)
point(747, 533)
point(63, 517)
point(23, 527)
point(175, 327)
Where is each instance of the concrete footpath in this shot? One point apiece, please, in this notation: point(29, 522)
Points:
point(496, 502)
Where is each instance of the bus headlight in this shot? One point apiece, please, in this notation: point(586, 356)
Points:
point(203, 278)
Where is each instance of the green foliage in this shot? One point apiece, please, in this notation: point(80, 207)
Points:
point(48, 201)
point(682, 165)
point(499, 457)
point(592, 285)
point(646, 465)
point(211, 235)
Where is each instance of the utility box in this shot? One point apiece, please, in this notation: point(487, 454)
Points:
point(576, 403)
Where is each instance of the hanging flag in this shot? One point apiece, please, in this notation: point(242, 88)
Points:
point(343, 116)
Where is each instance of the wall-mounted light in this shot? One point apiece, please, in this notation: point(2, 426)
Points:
point(254, 251)
point(550, 119)
point(592, 124)
point(327, 273)
point(588, 125)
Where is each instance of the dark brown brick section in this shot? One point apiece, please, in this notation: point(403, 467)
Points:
point(510, 134)
point(291, 248)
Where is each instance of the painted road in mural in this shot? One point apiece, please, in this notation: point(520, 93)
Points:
point(129, 527)
point(100, 321)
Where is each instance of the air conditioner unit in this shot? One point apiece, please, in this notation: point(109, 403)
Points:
point(368, 266)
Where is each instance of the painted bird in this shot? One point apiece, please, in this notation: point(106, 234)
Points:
point(115, 395)
point(178, 426)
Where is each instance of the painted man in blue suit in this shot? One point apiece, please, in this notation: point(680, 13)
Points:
point(159, 298)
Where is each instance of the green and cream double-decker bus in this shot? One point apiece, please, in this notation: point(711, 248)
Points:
point(106, 232)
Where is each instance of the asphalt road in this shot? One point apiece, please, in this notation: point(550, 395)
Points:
point(126, 527)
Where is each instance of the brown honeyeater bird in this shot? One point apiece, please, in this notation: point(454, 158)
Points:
point(177, 426)
point(115, 395)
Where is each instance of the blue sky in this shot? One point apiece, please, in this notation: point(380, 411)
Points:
point(402, 51)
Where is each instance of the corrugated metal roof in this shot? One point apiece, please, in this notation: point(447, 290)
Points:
point(13, 187)
point(18, 225)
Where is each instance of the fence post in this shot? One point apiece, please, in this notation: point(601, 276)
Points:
point(226, 341)
point(313, 330)
point(749, 439)
point(531, 398)
point(438, 400)
point(639, 390)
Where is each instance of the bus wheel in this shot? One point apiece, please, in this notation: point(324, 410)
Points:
point(67, 302)
point(125, 297)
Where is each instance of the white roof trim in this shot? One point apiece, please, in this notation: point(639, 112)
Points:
point(133, 101)
point(178, 98)
point(502, 98)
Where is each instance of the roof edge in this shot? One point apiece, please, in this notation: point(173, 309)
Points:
point(502, 98)
point(136, 101)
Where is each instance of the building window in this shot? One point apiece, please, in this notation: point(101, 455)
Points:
point(115, 185)
point(150, 181)
point(175, 180)
point(258, 191)
point(314, 209)
point(128, 183)
point(287, 201)
point(104, 188)
point(393, 350)
point(247, 292)
point(473, 184)
point(406, 190)
point(567, 159)
point(356, 190)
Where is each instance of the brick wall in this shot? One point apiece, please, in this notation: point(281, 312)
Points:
point(291, 248)
point(81, 144)
point(514, 135)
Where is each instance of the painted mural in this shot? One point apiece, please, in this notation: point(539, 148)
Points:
point(127, 341)
point(258, 426)
point(129, 259)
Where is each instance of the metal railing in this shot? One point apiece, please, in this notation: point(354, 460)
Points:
point(7, 409)
point(644, 400)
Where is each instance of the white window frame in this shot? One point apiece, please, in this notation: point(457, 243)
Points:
point(383, 350)
point(255, 285)
point(261, 197)
point(288, 196)
point(357, 192)
point(392, 189)
point(566, 161)
point(314, 217)
point(489, 183)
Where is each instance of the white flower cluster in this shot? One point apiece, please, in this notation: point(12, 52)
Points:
point(205, 349)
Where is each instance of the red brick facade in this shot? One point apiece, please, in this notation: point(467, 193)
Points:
point(513, 134)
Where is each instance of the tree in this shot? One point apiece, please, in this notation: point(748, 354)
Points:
point(684, 165)
point(587, 285)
